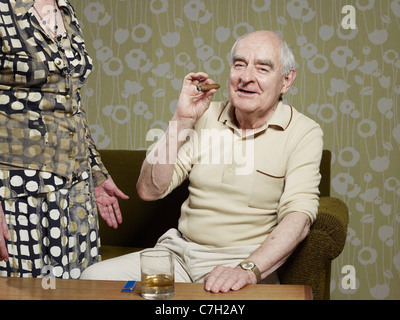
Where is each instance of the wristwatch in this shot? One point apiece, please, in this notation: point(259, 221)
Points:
point(250, 265)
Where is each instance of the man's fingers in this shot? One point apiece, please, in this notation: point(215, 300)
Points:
point(224, 279)
point(217, 279)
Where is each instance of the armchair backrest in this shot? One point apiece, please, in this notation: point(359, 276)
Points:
point(325, 170)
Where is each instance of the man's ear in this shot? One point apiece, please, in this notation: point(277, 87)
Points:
point(288, 81)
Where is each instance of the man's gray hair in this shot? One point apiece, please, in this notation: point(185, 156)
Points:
point(287, 57)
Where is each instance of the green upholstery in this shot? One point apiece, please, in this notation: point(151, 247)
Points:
point(144, 222)
point(310, 263)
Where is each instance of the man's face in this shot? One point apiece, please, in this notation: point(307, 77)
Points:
point(256, 81)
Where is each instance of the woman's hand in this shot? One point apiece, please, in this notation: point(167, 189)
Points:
point(4, 235)
point(107, 195)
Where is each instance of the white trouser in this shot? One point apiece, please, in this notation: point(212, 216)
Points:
point(192, 261)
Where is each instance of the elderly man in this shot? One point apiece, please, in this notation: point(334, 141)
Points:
point(247, 212)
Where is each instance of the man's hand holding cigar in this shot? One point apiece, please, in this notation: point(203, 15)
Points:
point(195, 98)
point(197, 93)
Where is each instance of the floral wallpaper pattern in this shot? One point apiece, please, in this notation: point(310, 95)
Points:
point(348, 55)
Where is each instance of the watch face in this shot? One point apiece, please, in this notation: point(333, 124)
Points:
point(247, 265)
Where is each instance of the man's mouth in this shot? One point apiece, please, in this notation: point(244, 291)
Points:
point(246, 92)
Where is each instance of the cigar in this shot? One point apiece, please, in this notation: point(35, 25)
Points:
point(208, 87)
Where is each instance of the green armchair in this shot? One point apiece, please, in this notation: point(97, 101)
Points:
point(310, 263)
point(144, 222)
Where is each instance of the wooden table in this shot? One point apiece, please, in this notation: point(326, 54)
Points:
point(32, 289)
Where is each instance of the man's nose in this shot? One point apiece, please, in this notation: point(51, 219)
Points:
point(248, 75)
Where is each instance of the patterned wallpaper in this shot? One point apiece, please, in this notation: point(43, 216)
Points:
point(348, 55)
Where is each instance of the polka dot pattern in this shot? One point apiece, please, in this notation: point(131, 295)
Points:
point(43, 126)
point(48, 159)
point(57, 228)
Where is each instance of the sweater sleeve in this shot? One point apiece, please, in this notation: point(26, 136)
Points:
point(301, 193)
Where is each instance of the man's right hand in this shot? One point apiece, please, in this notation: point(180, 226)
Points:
point(4, 235)
point(192, 104)
point(157, 171)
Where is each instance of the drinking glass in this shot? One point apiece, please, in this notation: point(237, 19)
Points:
point(157, 274)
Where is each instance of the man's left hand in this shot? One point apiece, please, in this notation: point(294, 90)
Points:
point(107, 195)
point(224, 279)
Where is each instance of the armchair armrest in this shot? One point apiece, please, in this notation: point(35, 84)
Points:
point(310, 263)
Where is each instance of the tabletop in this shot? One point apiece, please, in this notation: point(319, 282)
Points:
point(62, 289)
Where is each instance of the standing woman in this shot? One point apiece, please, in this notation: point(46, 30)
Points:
point(50, 171)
